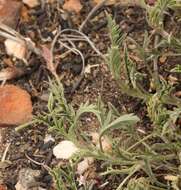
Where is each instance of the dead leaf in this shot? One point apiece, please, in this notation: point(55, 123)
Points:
point(25, 14)
point(9, 12)
point(16, 49)
point(8, 62)
point(82, 180)
point(48, 138)
point(171, 178)
point(151, 2)
point(89, 67)
point(178, 94)
point(15, 105)
point(163, 59)
point(64, 150)
point(106, 144)
point(172, 80)
point(84, 165)
point(5, 164)
point(46, 53)
point(72, 5)
point(10, 73)
point(31, 3)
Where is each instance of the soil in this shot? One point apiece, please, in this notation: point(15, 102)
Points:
point(40, 28)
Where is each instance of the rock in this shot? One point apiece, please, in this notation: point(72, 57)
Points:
point(26, 179)
point(64, 150)
point(15, 105)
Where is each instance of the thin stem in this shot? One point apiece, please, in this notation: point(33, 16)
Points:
point(155, 66)
point(91, 13)
point(135, 169)
point(139, 142)
point(88, 40)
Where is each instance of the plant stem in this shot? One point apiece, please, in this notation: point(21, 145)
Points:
point(139, 142)
point(155, 66)
point(135, 169)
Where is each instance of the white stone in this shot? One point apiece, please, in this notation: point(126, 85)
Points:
point(64, 150)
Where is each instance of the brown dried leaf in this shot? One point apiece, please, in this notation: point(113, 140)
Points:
point(9, 12)
point(72, 5)
point(172, 80)
point(25, 17)
point(106, 144)
point(84, 165)
point(178, 94)
point(151, 2)
point(15, 105)
point(16, 49)
point(163, 59)
point(10, 73)
point(31, 3)
point(46, 53)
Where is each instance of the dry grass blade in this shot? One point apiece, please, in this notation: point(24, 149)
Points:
point(9, 33)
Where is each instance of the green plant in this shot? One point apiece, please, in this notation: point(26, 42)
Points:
point(156, 102)
point(157, 12)
point(141, 160)
point(129, 79)
point(131, 152)
point(63, 119)
point(176, 69)
point(64, 178)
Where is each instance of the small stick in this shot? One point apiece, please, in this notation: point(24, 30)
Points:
point(87, 39)
point(5, 152)
point(76, 51)
point(98, 6)
point(38, 163)
point(35, 162)
point(9, 33)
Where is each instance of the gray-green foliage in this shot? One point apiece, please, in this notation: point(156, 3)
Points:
point(157, 12)
point(176, 69)
point(155, 18)
point(165, 121)
point(141, 159)
point(135, 153)
point(64, 178)
point(64, 119)
point(114, 58)
point(60, 114)
point(139, 184)
point(129, 79)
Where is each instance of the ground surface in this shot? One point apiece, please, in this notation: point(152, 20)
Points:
point(40, 26)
